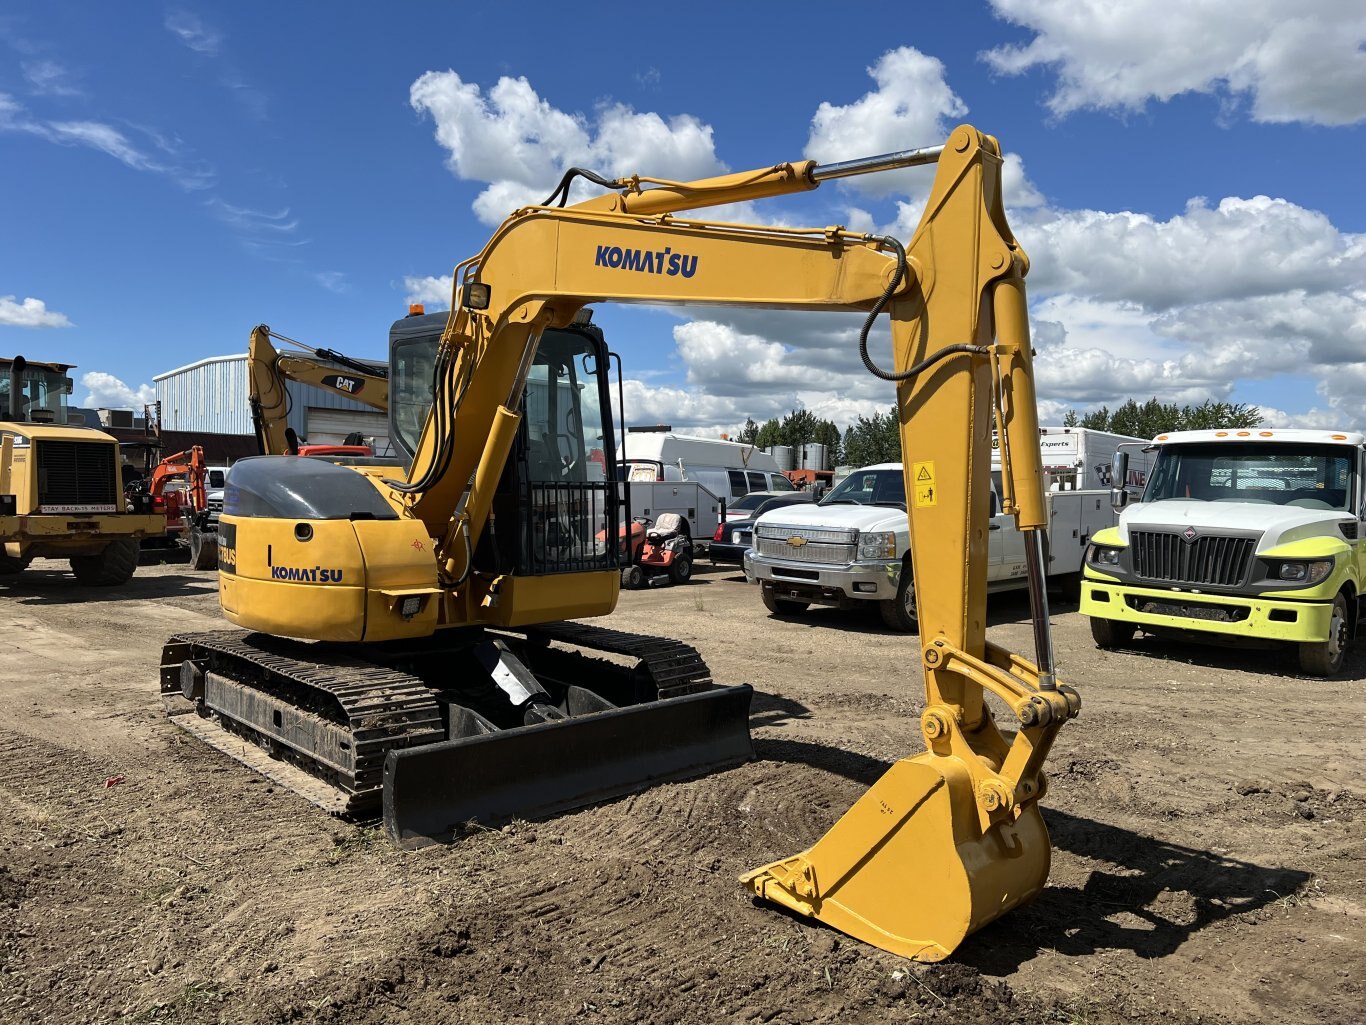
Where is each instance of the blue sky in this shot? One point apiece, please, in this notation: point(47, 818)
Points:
point(1186, 182)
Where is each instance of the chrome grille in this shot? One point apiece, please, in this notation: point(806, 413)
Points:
point(1220, 560)
point(79, 474)
point(782, 532)
point(831, 555)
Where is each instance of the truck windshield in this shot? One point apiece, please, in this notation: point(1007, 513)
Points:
point(1266, 473)
point(870, 487)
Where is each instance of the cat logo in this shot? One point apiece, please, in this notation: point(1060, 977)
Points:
point(797, 541)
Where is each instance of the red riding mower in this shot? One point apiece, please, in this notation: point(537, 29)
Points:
point(661, 553)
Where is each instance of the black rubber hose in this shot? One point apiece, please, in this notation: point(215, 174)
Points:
point(952, 350)
point(562, 190)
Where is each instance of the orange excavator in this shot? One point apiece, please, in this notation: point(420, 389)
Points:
point(186, 508)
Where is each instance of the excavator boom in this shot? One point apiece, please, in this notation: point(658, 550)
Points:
point(269, 372)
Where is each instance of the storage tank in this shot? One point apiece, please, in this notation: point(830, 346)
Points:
point(813, 456)
point(782, 454)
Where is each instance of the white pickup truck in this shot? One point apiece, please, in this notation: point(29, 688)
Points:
point(853, 546)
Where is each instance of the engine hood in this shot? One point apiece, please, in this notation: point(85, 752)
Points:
point(1278, 524)
point(836, 517)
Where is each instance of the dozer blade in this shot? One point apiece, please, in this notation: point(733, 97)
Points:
point(909, 868)
point(531, 772)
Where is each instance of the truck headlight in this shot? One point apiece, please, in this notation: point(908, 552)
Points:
point(877, 544)
point(1103, 555)
point(1304, 571)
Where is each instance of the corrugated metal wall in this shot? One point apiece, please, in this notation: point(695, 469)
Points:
point(211, 396)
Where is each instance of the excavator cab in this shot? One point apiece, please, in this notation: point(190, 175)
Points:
point(557, 498)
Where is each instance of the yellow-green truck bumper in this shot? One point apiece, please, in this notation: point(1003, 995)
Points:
point(80, 527)
point(1267, 618)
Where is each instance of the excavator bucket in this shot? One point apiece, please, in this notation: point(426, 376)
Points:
point(595, 753)
point(909, 867)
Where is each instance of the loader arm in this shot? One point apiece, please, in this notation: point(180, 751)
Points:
point(952, 838)
point(269, 372)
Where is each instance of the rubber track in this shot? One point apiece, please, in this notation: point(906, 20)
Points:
point(381, 707)
point(675, 668)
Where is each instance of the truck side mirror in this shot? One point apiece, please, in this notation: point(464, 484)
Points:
point(1119, 474)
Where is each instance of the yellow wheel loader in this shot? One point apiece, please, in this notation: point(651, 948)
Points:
point(61, 485)
point(408, 616)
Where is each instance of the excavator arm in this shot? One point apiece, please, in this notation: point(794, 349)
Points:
point(269, 372)
point(952, 838)
point(191, 465)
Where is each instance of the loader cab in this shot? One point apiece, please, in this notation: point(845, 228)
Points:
point(558, 492)
point(34, 392)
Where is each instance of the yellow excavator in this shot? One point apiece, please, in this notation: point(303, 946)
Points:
point(431, 592)
point(269, 372)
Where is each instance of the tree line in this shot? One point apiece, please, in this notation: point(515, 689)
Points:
point(877, 438)
point(1152, 418)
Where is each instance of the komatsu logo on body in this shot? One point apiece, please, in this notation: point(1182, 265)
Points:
point(306, 574)
point(647, 261)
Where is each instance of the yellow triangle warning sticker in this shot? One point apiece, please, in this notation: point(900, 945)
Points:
point(924, 473)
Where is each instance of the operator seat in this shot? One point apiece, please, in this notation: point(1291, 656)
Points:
point(666, 526)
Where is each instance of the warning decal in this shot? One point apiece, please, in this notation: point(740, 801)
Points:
point(922, 479)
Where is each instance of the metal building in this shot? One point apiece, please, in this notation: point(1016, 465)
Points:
point(209, 397)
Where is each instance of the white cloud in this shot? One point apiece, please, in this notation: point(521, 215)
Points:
point(333, 281)
point(910, 108)
point(108, 140)
point(48, 78)
point(105, 391)
point(191, 30)
point(521, 146)
point(29, 313)
point(430, 291)
point(104, 138)
point(1296, 60)
point(1240, 248)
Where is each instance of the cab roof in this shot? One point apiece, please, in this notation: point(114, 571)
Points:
point(1289, 435)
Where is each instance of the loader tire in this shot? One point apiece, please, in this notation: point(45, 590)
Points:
point(12, 565)
point(111, 567)
point(900, 613)
point(1324, 658)
point(1112, 633)
point(203, 549)
point(680, 570)
point(782, 606)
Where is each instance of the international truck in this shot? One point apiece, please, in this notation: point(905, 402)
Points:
point(1242, 536)
point(853, 548)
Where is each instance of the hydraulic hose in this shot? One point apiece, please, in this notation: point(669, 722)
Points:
point(952, 350)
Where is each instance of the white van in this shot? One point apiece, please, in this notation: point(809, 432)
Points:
point(725, 468)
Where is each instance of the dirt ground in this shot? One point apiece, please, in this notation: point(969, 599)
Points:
point(1208, 816)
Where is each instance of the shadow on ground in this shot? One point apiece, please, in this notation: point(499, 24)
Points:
point(1145, 894)
point(58, 587)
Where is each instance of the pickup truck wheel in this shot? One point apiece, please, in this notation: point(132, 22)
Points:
point(111, 567)
point(680, 570)
point(1112, 633)
point(782, 606)
point(11, 564)
point(899, 613)
point(1324, 658)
